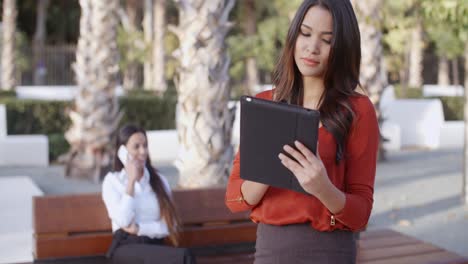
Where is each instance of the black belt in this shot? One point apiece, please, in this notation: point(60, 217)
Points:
point(121, 237)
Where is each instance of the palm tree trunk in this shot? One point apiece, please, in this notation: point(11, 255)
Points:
point(204, 121)
point(96, 112)
point(416, 57)
point(159, 20)
point(251, 64)
point(130, 73)
point(148, 83)
point(455, 72)
point(443, 78)
point(8, 45)
point(465, 163)
point(39, 43)
point(373, 75)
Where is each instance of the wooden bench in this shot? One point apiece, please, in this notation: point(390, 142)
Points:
point(70, 226)
point(75, 229)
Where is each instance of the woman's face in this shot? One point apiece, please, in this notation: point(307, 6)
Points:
point(138, 147)
point(314, 42)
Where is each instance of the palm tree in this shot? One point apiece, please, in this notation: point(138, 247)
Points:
point(159, 21)
point(416, 56)
point(465, 170)
point(443, 78)
point(130, 72)
point(373, 75)
point(148, 34)
point(250, 31)
point(96, 112)
point(204, 121)
point(8, 45)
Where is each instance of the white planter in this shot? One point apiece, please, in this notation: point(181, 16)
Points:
point(420, 121)
point(24, 150)
point(392, 133)
point(451, 135)
point(163, 145)
point(3, 121)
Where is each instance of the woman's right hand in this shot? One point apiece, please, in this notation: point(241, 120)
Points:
point(134, 169)
point(253, 192)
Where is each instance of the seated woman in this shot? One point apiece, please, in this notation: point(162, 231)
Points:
point(138, 201)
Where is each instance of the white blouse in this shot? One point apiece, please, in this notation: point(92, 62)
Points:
point(142, 208)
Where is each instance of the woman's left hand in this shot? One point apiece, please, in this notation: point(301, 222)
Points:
point(308, 168)
point(132, 229)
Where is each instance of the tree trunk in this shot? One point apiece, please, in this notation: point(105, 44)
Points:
point(455, 72)
point(96, 115)
point(443, 78)
point(465, 163)
point(251, 63)
point(159, 21)
point(416, 57)
point(130, 73)
point(373, 75)
point(148, 30)
point(39, 77)
point(8, 45)
point(204, 122)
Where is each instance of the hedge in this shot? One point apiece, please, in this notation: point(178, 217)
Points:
point(51, 118)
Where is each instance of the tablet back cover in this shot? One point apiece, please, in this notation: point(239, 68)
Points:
point(266, 126)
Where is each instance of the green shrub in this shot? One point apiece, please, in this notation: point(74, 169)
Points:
point(453, 108)
point(51, 118)
point(409, 92)
point(36, 116)
point(5, 94)
point(149, 111)
point(58, 145)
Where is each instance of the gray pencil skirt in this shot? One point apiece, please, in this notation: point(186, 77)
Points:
point(301, 243)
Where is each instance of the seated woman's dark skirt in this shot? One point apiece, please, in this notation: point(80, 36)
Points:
point(302, 244)
point(127, 248)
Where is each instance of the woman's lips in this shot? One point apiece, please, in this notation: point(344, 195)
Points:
point(310, 62)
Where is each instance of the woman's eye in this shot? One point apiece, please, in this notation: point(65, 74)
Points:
point(326, 41)
point(305, 34)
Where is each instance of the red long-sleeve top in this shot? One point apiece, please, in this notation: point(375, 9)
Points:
point(354, 175)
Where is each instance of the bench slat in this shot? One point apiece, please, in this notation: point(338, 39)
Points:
point(203, 205)
point(391, 252)
point(371, 234)
point(73, 213)
point(227, 259)
point(425, 258)
point(385, 242)
point(219, 235)
point(74, 246)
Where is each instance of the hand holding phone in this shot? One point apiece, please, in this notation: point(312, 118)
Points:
point(133, 167)
point(122, 153)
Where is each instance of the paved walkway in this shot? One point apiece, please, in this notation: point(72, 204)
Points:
point(417, 193)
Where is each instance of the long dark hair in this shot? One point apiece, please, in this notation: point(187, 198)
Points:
point(167, 209)
point(341, 78)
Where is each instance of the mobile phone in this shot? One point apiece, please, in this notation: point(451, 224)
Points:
point(122, 153)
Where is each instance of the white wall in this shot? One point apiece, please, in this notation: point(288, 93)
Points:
point(53, 92)
point(432, 90)
point(3, 121)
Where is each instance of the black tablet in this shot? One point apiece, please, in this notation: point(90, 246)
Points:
point(265, 127)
